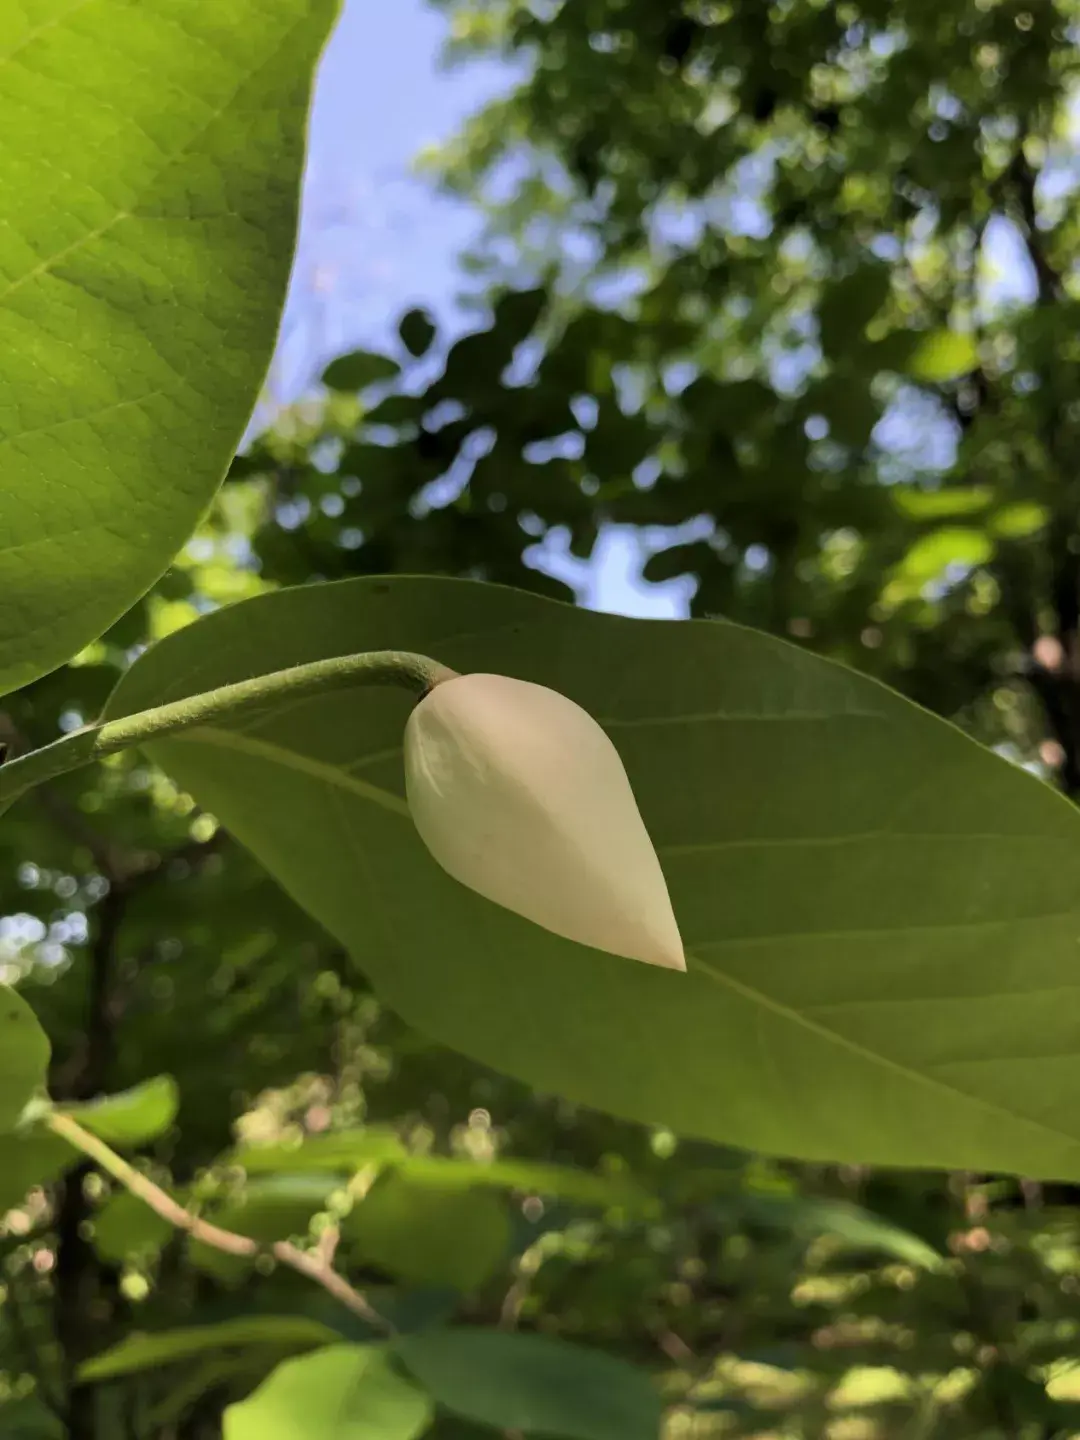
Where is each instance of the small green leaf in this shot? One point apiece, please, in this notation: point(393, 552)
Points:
point(29, 1160)
point(1016, 522)
point(29, 1419)
point(396, 411)
point(427, 1233)
point(944, 504)
point(344, 1152)
point(125, 1228)
point(24, 1057)
point(168, 1347)
point(132, 1117)
point(943, 355)
point(931, 557)
point(531, 1383)
point(690, 558)
point(530, 1177)
point(150, 196)
point(417, 332)
point(359, 370)
point(342, 1392)
point(852, 1226)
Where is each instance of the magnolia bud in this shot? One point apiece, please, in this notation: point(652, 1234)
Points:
point(519, 794)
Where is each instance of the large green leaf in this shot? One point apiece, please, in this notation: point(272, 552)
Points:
point(881, 916)
point(342, 1392)
point(150, 171)
point(533, 1384)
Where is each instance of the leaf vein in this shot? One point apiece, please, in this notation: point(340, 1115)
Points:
point(882, 1062)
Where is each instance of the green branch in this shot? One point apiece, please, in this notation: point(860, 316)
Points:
point(93, 742)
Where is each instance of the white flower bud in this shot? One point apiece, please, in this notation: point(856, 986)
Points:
point(519, 794)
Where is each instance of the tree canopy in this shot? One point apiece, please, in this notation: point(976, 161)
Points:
point(789, 291)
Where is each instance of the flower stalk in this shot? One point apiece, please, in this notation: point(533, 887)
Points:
point(514, 789)
point(416, 673)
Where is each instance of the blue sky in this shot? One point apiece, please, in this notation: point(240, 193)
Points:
point(375, 240)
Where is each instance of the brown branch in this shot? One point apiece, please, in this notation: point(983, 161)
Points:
point(312, 1264)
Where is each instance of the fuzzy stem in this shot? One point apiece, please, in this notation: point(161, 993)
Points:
point(93, 742)
point(314, 1265)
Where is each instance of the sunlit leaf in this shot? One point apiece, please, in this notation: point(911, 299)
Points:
point(150, 205)
point(946, 553)
point(132, 1117)
point(343, 1392)
point(943, 355)
point(1014, 522)
point(944, 504)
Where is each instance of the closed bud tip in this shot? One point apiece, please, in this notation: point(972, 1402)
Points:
point(520, 795)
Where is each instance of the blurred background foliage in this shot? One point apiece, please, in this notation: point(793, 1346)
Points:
point(787, 294)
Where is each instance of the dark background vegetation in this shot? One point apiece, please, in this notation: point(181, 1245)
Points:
point(740, 289)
